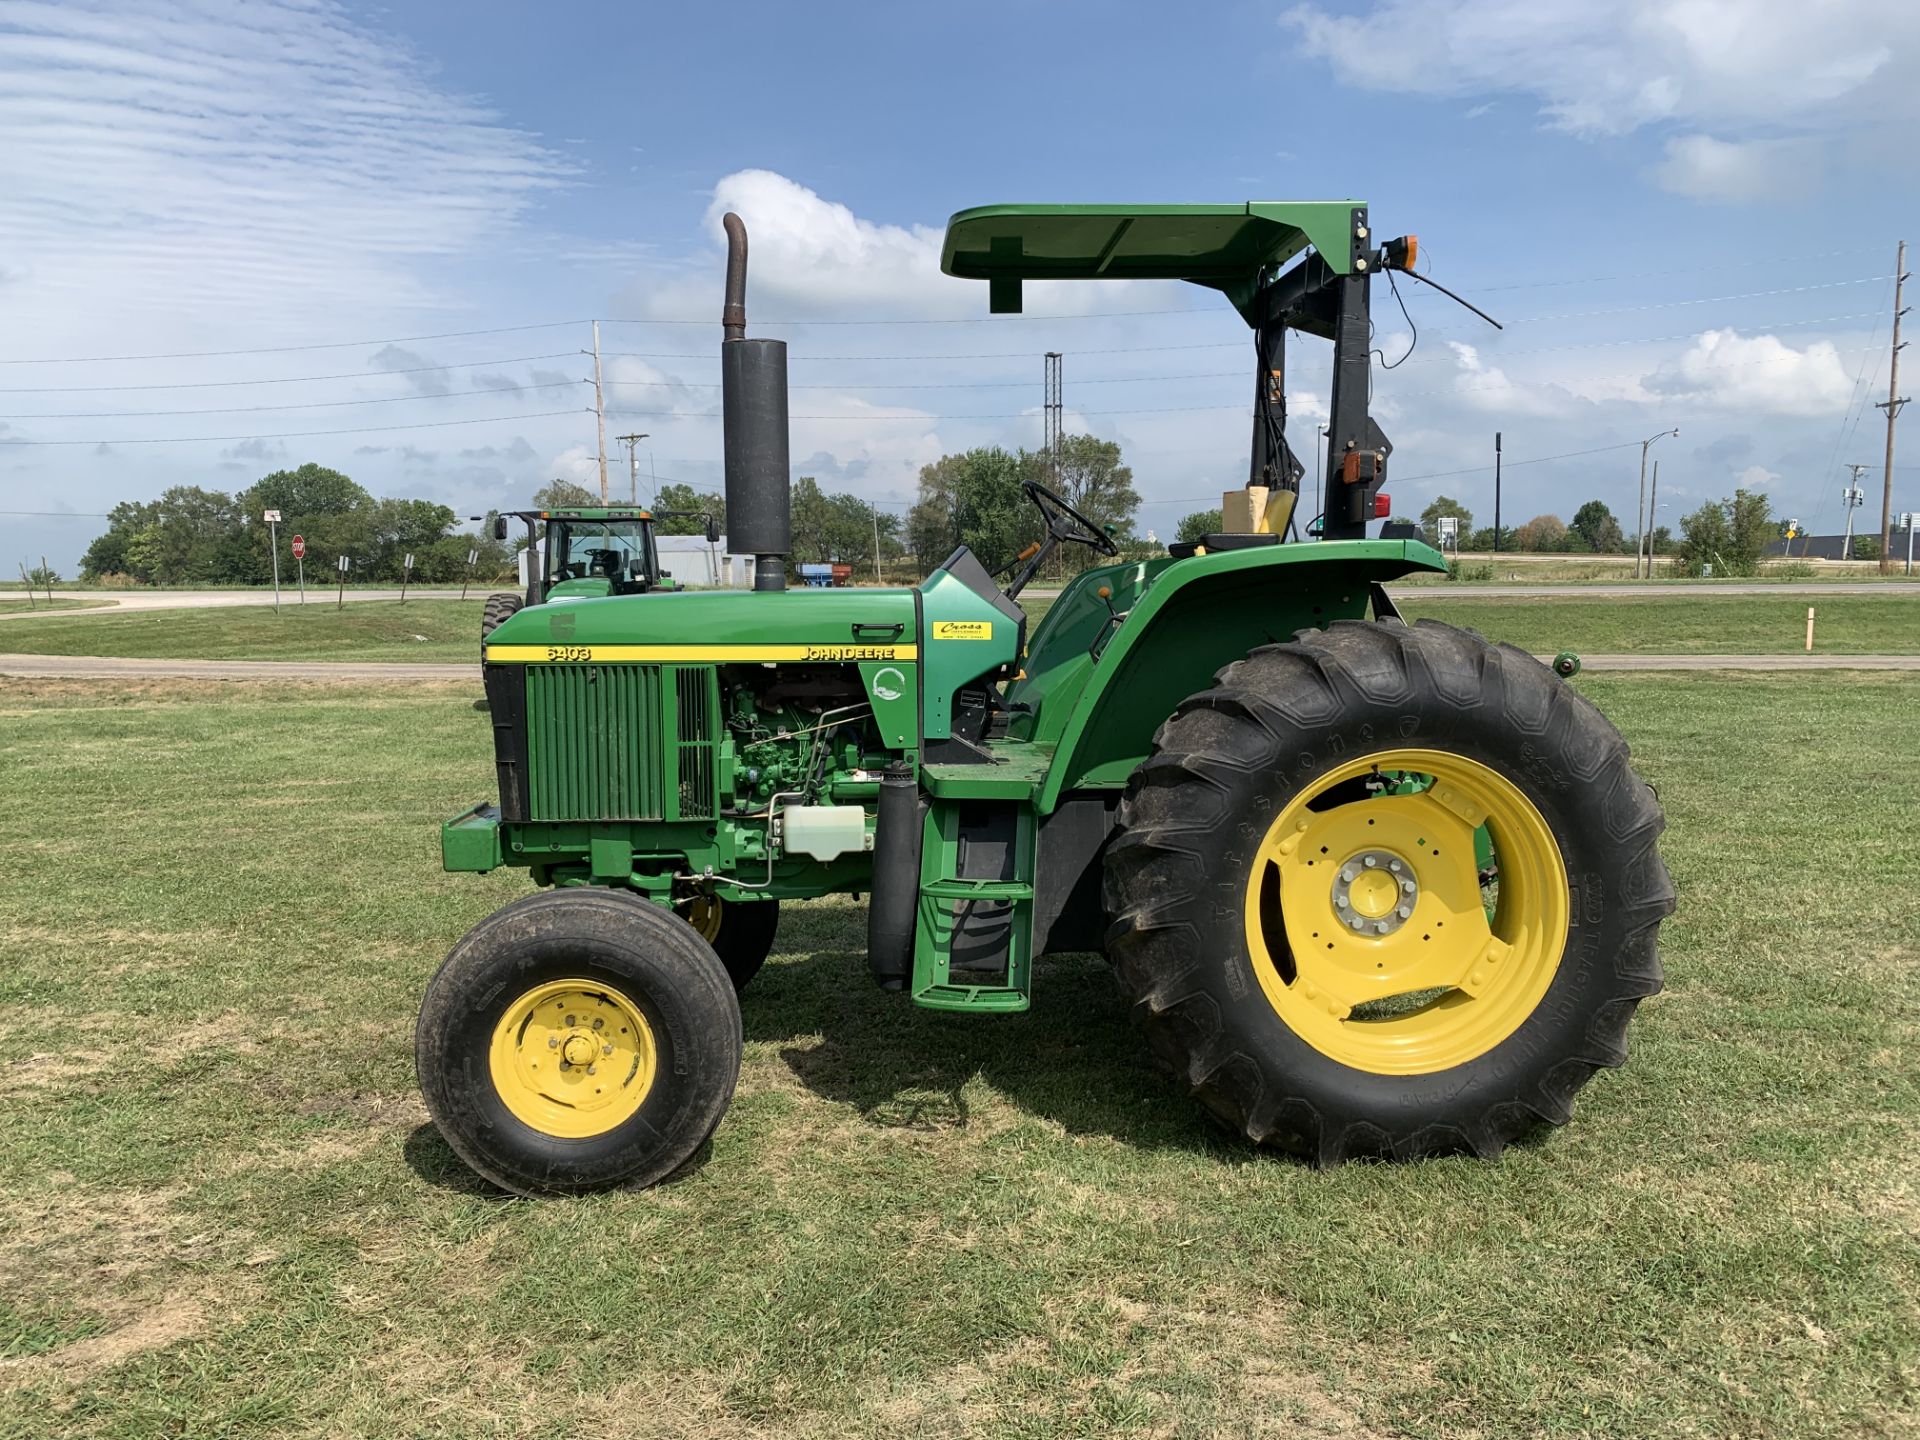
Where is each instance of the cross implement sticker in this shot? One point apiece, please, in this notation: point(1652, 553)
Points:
point(963, 629)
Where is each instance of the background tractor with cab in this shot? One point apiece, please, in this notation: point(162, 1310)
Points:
point(1372, 889)
point(584, 552)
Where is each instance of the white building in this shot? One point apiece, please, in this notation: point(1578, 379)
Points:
point(692, 561)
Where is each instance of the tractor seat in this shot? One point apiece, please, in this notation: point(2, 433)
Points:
point(1212, 544)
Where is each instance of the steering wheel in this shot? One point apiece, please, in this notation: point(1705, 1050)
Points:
point(1064, 523)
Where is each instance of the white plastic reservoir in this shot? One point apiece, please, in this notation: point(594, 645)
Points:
point(824, 832)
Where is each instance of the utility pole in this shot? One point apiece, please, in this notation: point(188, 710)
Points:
point(1653, 514)
point(1496, 492)
point(1853, 497)
point(1053, 408)
point(599, 412)
point(633, 464)
point(1640, 515)
point(1894, 403)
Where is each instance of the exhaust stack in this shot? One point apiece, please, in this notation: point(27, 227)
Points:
point(753, 391)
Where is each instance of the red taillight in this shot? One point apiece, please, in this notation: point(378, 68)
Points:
point(1382, 506)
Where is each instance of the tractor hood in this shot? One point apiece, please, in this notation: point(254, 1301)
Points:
point(715, 627)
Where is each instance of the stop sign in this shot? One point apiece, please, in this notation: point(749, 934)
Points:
point(299, 547)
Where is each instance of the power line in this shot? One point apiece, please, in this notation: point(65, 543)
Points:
point(1307, 367)
point(282, 380)
point(1558, 382)
point(305, 405)
point(291, 349)
point(301, 434)
point(1716, 268)
point(947, 320)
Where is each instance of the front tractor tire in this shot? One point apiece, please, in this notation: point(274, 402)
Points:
point(576, 1041)
point(1387, 891)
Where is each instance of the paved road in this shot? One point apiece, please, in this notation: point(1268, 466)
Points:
point(107, 602)
point(112, 602)
point(96, 668)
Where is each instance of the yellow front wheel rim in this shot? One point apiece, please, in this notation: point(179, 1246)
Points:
point(573, 1058)
point(1370, 927)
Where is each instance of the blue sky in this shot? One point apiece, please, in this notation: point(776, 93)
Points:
point(1686, 211)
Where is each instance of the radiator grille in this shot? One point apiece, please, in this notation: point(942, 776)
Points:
point(696, 734)
point(594, 743)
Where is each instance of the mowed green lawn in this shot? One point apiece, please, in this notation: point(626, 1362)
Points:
point(449, 630)
point(364, 630)
point(223, 1213)
point(1688, 625)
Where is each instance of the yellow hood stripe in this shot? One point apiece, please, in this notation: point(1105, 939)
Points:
point(696, 654)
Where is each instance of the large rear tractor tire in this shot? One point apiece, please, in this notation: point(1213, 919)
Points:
point(1387, 891)
point(740, 931)
point(499, 606)
point(575, 1041)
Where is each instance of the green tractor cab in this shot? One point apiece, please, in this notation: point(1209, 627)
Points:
point(584, 553)
point(1371, 889)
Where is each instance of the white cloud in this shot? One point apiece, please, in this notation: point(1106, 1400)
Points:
point(195, 162)
point(1485, 387)
point(1737, 171)
point(809, 257)
point(1610, 66)
point(1749, 70)
point(1760, 373)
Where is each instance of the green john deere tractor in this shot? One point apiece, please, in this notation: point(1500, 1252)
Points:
point(1372, 889)
point(585, 553)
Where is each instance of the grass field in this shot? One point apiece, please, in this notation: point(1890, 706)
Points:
point(1689, 625)
point(372, 630)
point(448, 630)
point(222, 1212)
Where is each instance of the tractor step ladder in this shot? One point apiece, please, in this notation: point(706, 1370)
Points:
point(973, 945)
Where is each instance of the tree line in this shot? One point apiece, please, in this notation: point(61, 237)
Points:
point(195, 536)
point(191, 535)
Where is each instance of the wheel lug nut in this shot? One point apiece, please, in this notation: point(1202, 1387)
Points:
point(553, 1042)
point(1348, 873)
point(607, 1048)
point(571, 1021)
point(1358, 923)
point(599, 1024)
point(1381, 926)
point(1394, 865)
point(1369, 862)
point(1406, 912)
point(591, 1069)
point(1407, 885)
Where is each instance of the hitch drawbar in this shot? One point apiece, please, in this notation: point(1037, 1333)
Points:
point(896, 877)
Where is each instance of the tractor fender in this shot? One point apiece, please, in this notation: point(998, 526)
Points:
point(1192, 619)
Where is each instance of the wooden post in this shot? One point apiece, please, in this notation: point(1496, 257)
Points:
point(47, 571)
point(1809, 627)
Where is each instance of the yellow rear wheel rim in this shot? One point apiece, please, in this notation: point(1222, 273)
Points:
point(1370, 930)
point(703, 913)
point(573, 1058)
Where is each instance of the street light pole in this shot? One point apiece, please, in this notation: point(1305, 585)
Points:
point(1496, 492)
point(1640, 513)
